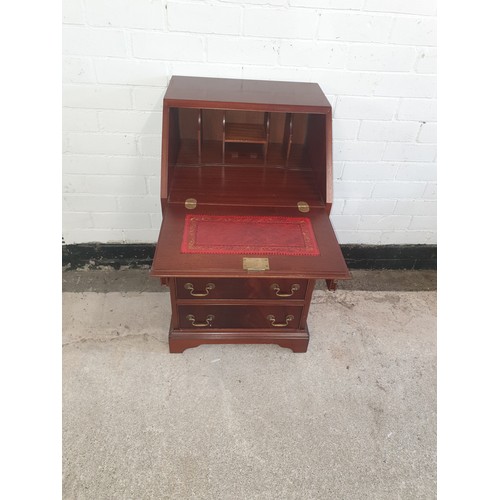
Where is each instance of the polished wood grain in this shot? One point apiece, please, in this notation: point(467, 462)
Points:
point(240, 288)
point(244, 185)
point(316, 155)
point(246, 132)
point(296, 340)
point(248, 148)
point(240, 317)
point(258, 95)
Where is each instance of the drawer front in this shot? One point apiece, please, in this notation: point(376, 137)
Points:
point(240, 288)
point(239, 317)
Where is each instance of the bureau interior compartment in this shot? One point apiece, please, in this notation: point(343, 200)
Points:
point(276, 157)
point(235, 137)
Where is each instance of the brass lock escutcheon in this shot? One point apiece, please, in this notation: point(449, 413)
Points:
point(276, 288)
point(190, 288)
point(272, 320)
point(208, 320)
point(255, 263)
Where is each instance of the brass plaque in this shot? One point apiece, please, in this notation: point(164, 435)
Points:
point(303, 206)
point(190, 203)
point(256, 264)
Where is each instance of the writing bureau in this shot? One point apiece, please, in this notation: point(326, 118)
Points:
point(246, 193)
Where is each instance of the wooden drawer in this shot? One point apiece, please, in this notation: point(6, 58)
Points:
point(239, 317)
point(240, 288)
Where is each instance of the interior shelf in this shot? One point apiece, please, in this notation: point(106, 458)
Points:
point(246, 132)
point(249, 140)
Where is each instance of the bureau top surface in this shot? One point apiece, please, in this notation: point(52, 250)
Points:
point(246, 94)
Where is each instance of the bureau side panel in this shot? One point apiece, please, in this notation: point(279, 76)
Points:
point(173, 303)
point(169, 150)
point(307, 304)
point(316, 150)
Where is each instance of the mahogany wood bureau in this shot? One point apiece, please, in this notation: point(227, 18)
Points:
point(246, 193)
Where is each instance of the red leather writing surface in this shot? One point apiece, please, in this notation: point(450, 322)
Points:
point(248, 235)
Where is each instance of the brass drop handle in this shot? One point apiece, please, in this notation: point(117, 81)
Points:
point(276, 288)
point(272, 319)
point(208, 321)
point(190, 287)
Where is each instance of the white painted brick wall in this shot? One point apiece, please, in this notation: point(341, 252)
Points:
point(99, 143)
point(80, 120)
point(137, 122)
point(372, 130)
point(354, 27)
point(141, 14)
point(381, 58)
point(246, 51)
point(424, 7)
point(78, 70)
point(72, 12)
point(374, 59)
point(428, 133)
point(308, 53)
point(204, 18)
point(369, 108)
point(283, 23)
point(167, 46)
point(426, 60)
point(97, 97)
point(83, 41)
point(414, 31)
point(422, 110)
point(368, 171)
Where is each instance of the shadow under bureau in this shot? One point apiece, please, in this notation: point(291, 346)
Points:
point(246, 193)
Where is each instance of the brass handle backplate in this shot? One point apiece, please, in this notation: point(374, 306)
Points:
point(208, 321)
point(276, 288)
point(272, 320)
point(190, 287)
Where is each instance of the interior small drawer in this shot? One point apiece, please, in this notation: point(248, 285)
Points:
point(239, 317)
point(240, 288)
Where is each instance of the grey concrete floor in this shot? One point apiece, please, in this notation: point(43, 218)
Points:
point(353, 418)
